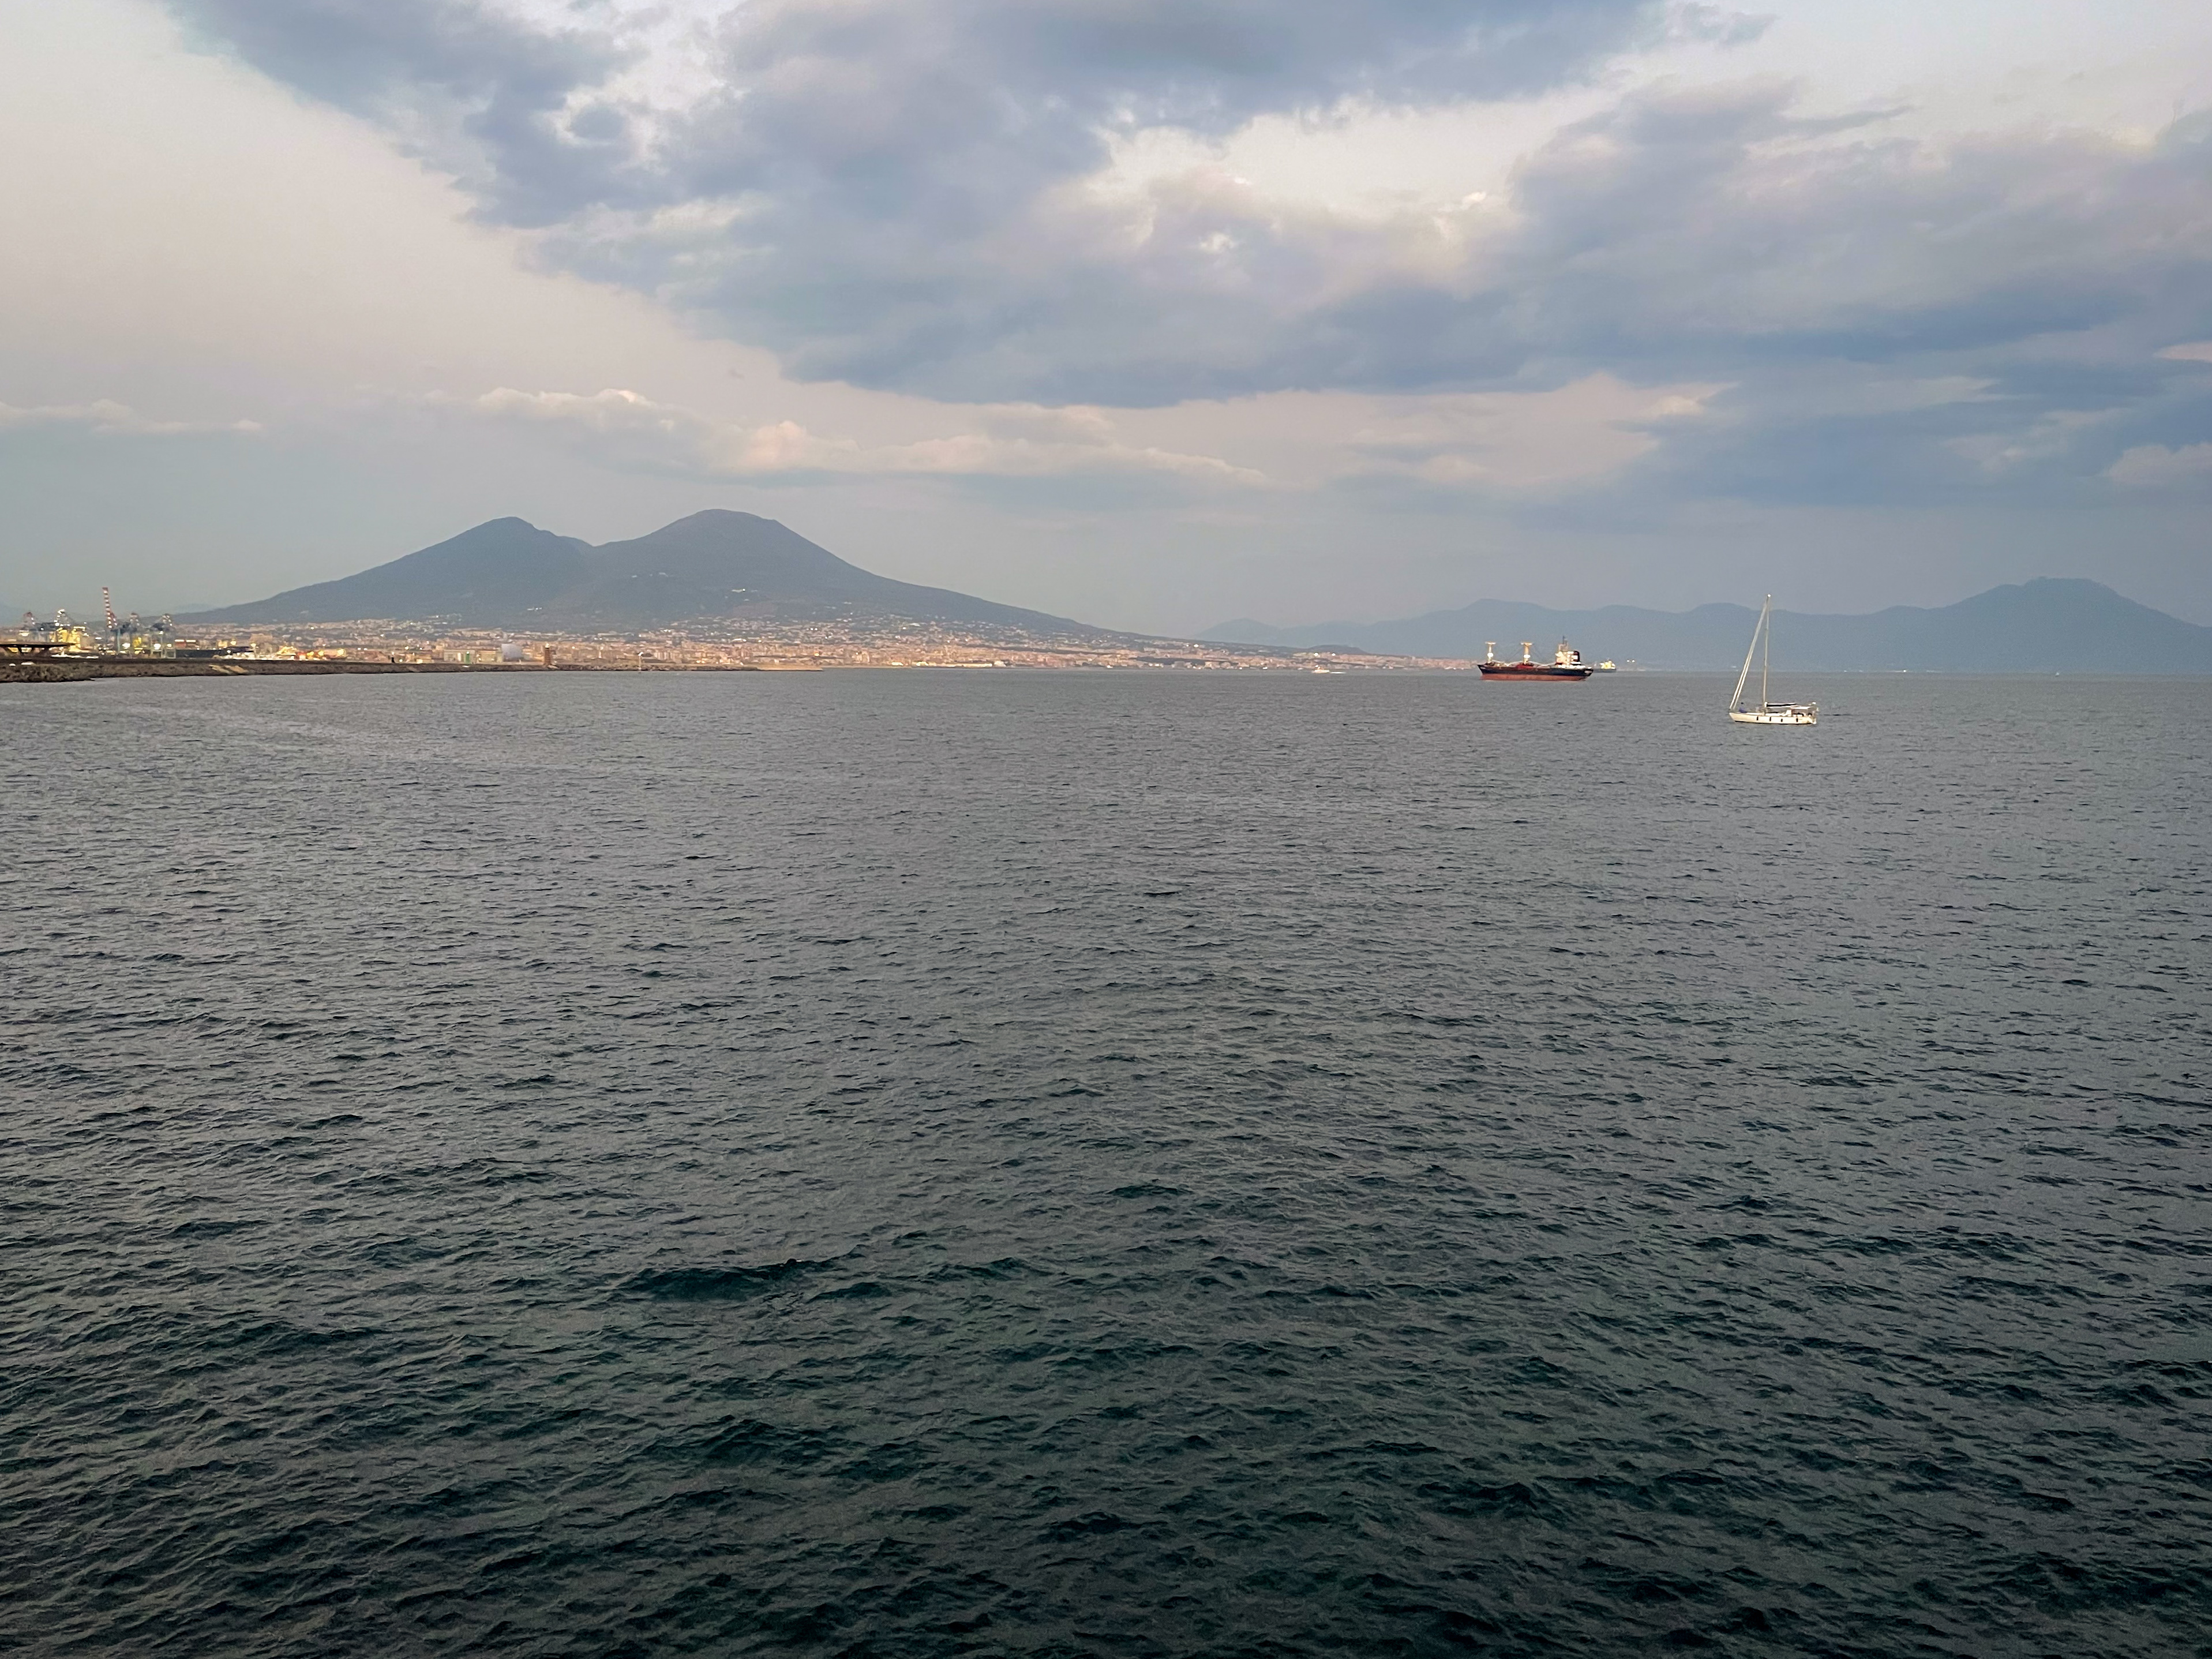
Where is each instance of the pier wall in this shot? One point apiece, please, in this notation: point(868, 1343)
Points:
point(48, 669)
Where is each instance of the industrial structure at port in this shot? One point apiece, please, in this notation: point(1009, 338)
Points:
point(119, 637)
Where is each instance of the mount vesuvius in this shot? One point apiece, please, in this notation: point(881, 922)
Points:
point(713, 567)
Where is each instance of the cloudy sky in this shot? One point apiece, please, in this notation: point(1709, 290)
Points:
point(1150, 312)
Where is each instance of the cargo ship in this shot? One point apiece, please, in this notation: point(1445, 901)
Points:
point(1566, 664)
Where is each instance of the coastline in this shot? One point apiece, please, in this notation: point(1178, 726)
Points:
point(52, 670)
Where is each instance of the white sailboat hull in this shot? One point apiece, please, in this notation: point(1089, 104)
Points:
point(1809, 715)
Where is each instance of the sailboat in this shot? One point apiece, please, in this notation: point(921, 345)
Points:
point(1767, 714)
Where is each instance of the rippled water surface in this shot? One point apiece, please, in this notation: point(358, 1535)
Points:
point(904, 1165)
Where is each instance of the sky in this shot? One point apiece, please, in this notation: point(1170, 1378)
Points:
point(1152, 313)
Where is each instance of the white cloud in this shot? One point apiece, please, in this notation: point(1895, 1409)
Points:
point(1530, 443)
point(2050, 436)
point(1015, 440)
point(107, 419)
point(2154, 466)
point(2196, 351)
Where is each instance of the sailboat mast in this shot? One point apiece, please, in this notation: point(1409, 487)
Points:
point(1766, 652)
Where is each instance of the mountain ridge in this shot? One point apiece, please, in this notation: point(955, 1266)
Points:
point(2050, 624)
point(717, 566)
point(730, 568)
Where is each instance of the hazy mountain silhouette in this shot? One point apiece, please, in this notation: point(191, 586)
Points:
point(713, 566)
point(2049, 625)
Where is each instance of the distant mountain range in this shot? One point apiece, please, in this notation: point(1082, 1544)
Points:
point(735, 567)
point(712, 567)
point(2045, 626)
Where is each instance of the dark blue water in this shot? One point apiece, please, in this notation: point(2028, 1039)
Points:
point(904, 1164)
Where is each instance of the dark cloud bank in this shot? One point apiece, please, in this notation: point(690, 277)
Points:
point(887, 192)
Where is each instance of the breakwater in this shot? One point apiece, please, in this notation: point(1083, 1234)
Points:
point(44, 669)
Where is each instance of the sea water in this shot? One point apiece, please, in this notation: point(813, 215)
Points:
point(1141, 1163)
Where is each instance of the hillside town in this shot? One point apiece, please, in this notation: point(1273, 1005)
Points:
point(125, 645)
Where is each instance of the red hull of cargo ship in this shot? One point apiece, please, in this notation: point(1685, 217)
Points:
point(1531, 671)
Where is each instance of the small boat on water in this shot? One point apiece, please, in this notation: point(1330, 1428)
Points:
point(1566, 664)
point(1767, 714)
